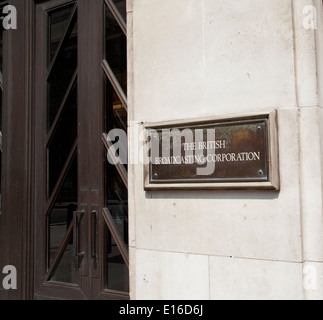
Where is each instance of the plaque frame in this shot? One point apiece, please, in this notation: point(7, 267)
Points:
point(272, 153)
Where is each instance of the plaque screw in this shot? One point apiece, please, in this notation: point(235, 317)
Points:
point(155, 175)
point(259, 128)
point(261, 172)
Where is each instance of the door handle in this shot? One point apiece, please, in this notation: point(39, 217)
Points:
point(93, 234)
point(77, 216)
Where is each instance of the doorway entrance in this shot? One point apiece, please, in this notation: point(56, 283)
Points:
point(81, 200)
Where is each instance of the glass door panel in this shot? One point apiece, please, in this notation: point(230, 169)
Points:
point(1, 88)
point(57, 262)
point(82, 206)
point(116, 48)
point(62, 142)
point(59, 222)
point(121, 6)
point(58, 20)
point(116, 186)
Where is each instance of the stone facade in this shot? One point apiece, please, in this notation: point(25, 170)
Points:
point(191, 59)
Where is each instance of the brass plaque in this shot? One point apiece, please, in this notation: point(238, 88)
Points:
point(234, 152)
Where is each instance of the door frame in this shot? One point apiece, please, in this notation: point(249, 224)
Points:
point(42, 288)
point(16, 220)
point(18, 243)
point(90, 149)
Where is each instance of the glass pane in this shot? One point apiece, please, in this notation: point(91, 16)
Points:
point(1, 79)
point(61, 75)
point(64, 135)
point(66, 271)
point(59, 221)
point(117, 273)
point(116, 114)
point(58, 21)
point(0, 147)
point(63, 140)
point(116, 193)
point(122, 7)
point(1, 119)
point(1, 44)
point(116, 49)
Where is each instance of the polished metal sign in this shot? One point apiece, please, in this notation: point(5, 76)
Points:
point(235, 153)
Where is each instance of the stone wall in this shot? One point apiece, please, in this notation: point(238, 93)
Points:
point(191, 59)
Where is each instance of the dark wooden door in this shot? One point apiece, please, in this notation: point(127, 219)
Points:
point(81, 200)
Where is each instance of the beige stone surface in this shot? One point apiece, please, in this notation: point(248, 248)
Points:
point(319, 48)
point(168, 55)
point(313, 280)
point(248, 55)
point(305, 56)
point(311, 183)
point(171, 276)
point(199, 60)
point(194, 59)
point(246, 279)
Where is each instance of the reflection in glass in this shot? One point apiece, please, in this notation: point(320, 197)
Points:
point(0, 146)
point(116, 114)
point(62, 136)
point(122, 8)
point(1, 44)
point(61, 75)
point(59, 220)
point(0, 119)
point(63, 140)
point(116, 49)
point(1, 79)
point(58, 21)
point(66, 271)
point(117, 273)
